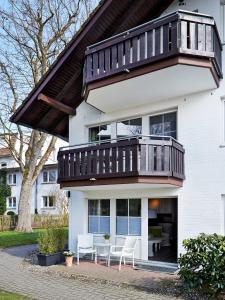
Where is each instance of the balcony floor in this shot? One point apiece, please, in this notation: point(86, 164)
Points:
point(172, 78)
point(123, 183)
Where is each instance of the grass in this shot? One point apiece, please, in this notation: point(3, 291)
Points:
point(13, 238)
point(12, 296)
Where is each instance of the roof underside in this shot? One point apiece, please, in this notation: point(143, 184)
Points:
point(63, 81)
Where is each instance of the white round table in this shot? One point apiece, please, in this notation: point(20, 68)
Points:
point(103, 249)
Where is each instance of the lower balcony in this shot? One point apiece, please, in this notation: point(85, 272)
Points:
point(137, 160)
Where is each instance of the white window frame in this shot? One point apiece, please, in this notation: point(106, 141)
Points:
point(12, 199)
point(48, 176)
point(163, 112)
point(13, 176)
point(99, 216)
point(128, 218)
point(98, 125)
point(128, 120)
point(48, 207)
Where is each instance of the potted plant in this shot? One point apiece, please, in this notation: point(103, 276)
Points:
point(69, 258)
point(106, 237)
point(51, 245)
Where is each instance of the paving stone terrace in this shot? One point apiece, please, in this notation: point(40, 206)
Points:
point(84, 282)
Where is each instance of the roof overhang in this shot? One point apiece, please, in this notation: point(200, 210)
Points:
point(63, 82)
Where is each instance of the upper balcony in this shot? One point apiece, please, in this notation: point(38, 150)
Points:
point(171, 56)
point(138, 160)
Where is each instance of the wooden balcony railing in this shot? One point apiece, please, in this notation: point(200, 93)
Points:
point(123, 158)
point(180, 33)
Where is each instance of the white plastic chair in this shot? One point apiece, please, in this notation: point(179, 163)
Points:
point(85, 245)
point(126, 251)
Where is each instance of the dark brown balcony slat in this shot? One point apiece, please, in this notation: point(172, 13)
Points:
point(209, 42)
point(89, 162)
point(107, 160)
point(77, 164)
point(120, 55)
point(127, 52)
point(184, 34)
point(159, 159)
point(149, 44)
point(114, 160)
point(127, 159)
point(101, 62)
point(166, 159)
point(71, 163)
point(143, 158)
point(107, 60)
point(95, 64)
point(166, 38)
point(120, 159)
point(151, 158)
point(193, 36)
point(142, 46)
point(114, 57)
point(89, 66)
point(101, 159)
point(94, 162)
point(135, 49)
point(174, 29)
point(134, 150)
point(201, 37)
point(157, 41)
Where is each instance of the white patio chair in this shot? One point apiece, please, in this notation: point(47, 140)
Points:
point(125, 251)
point(85, 245)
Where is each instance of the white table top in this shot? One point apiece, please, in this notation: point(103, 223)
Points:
point(102, 244)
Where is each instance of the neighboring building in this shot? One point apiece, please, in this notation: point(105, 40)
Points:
point(161, 81)
point(45, 189)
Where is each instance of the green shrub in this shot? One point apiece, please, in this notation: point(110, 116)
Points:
point(203, 265)
point(52, 240)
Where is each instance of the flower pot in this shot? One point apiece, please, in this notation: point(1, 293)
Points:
point(69, 261)
point(51, 259)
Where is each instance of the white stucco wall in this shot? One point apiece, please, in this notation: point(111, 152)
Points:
point(201, 200)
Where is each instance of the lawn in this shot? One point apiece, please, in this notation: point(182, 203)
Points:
point(12, 238)
point(11, 296)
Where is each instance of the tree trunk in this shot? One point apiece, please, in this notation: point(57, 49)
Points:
point(24, 216)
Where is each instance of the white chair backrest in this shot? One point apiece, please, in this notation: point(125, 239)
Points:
point(130, 243)
point(85, 240)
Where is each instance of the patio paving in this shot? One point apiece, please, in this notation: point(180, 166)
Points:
point(140, 279)
point(16, 276)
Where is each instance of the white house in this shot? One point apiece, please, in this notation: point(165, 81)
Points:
point(45, 189)
point(147, 142)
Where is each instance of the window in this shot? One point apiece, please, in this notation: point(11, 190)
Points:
point(11, 202)
point(48, 201)
point(3, 164)
point(128, 216)
point(129, 127)
point(99, 216)
point(100, 133)
point(49, 176)
point(164, 125)
point(12, 179)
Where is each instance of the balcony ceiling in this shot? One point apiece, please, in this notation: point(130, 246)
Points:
point(170, 82)
point(63, 82)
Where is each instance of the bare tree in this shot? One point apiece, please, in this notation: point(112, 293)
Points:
point(32, 34)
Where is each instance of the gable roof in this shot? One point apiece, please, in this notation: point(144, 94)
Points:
point(64, 80)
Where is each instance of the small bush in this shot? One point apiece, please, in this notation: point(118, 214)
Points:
point(203, 265)
point(52, 240)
